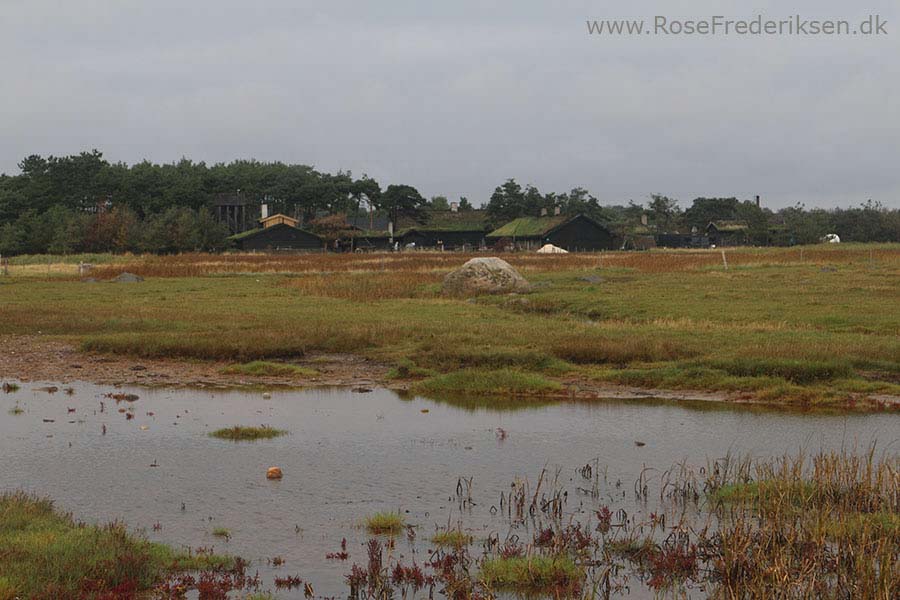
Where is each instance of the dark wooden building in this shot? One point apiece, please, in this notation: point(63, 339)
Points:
point(682, 240)
point(639, 237)
point(278, 232)
point(447, 229)
point(365, 241)
point(444, 229)
point(448, 239)
point(572, 233)
point(728, 233)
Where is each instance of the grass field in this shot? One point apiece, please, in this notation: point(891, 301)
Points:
point(46, 554)
point(817, 325)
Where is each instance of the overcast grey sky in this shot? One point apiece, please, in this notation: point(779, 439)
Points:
point(457, 97)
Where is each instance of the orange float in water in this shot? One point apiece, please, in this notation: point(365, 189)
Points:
point(274, 473)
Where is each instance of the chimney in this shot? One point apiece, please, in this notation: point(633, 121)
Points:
point(264, 211)
point(543, 212)
point(557, 210)
point(454, 206)
point(757, 201)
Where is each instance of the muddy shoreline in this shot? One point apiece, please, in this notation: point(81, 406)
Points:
point(45, 358)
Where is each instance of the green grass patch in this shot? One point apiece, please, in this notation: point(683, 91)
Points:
point(221, 532)
point(488, 382)
point(240, 433)
point(880, 524)
point(465, 357)
point(69, 259)
point(407, 369)
point(631, 548)
point(452, 538)
point(46, 554)
point(797, 492)
point(533, 574)
point(794, 370)
point(597, 350)
point(384, 523)
point(245, 346)
point(262, 368)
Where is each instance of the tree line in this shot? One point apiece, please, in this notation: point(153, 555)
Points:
point(868, 222)
point(84, 203)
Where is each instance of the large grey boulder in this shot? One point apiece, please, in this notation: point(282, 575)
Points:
point(484, 276)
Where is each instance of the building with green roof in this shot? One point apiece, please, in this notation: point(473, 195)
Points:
point(572, 233)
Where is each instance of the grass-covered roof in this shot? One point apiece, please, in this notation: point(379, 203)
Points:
point(529, 226)
point(245, 234)
point(729, 226)
point(447, 220)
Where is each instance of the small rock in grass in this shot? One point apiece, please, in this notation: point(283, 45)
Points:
point(128, 278)
point(591, 279)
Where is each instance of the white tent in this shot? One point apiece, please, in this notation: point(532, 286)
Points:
point(551, 249)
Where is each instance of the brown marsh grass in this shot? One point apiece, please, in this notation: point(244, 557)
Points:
point(825, 525)
point(655, 261)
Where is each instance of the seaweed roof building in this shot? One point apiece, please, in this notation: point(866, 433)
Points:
point(572, 233)
point(728, 233)
point(447, 229)
point(277, 233)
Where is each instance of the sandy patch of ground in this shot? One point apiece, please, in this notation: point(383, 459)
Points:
point(39, 358)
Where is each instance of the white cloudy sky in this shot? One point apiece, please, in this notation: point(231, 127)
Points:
point(455, 97)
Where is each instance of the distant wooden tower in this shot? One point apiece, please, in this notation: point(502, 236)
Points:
point(236, 212)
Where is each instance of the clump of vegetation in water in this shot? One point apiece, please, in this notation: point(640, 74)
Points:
point(488, 382)
point(9, 388)
point(451, 537)
point(222, 532)
point(384, 523)
point(240, 433)
point(262, 368)
point(47, 554)
point(532, 573)
point(16, 410)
